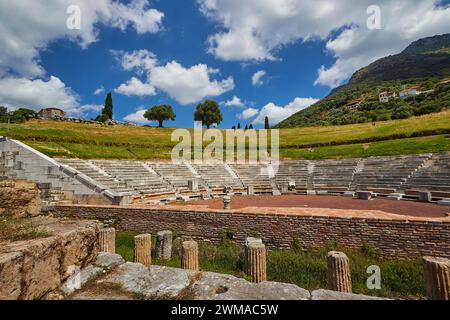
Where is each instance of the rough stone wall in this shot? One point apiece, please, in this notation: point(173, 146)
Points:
point(393, 238)
point(30, 269)
point(19, 199)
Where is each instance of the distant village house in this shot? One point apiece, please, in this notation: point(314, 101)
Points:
point(354, 105)
point(51, 113)
point(386, 96)
point(408, 93)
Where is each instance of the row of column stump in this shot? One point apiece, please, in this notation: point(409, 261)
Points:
point(437, 270)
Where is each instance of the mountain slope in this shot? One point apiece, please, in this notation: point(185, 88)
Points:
point(424, 63)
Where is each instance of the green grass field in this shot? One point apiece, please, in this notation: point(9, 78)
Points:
point(416, 135)
point(307, 269)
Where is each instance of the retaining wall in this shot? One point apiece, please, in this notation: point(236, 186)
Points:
point(394, 238)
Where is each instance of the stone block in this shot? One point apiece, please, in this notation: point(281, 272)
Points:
point(349, 194)
point(364, 195)
point(395, 196)
point(444, 202)
point(107, 260)
point(425, 196)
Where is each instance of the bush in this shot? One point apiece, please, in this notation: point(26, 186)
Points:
point(402, 112)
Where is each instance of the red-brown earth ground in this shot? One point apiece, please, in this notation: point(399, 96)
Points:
point(407, 208)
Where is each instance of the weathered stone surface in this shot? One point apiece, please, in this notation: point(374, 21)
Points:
point(425, 196)
point(323, 294)
point(78, 279)
point(395, 196)
point(155, 282)
point(30, 269)
point(437, 273)
point(108, 260)
point(135, 281)
point(364, 195)
point(214, 286)
point(143, 249)
point(256, 262)
point(107, 240)
point(227, 202)
point(338, 272)
point(94, 296)
point(444, 202)
point(164, 244)
point(189, 256)
point(19, 199)
point(249, 240)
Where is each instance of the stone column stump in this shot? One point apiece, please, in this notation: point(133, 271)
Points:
point(246, 244)
point(164, 245)
point(189, 256)
point(339, 277)
point(107, 240)
point(437, 273)
point(143, 249)
point(256, 262)
point(227, 202)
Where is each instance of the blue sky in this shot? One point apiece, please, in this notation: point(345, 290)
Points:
point(182, 52)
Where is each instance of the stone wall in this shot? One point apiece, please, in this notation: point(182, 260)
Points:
point(19, 199)
point(30, 269)
point(403, 239)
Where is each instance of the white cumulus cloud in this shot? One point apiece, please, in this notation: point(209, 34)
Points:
point(255, 30)
point(27, 27)
point(257, 78)
point(99, 91)
point(138, 117)
point(234, 102)
point(276, 113)
point(38, 94)
point(135, 87)
point(186, 85)
point(247, 113)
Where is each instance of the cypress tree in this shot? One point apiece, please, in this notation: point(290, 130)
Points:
point(266, 123)
point(108, 109)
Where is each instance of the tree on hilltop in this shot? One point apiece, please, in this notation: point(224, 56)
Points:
point(208, 113)
point(108, 109)
point(266, 123)
point(160, 113)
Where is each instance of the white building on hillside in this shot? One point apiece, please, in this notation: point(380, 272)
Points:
point(386, 96)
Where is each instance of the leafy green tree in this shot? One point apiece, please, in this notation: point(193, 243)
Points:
point(3, 114)
point(208, 113)
point(22, 114)
point(160, 113)
point(233, 128)
point(266, 123)
point(239, 125)
point(246, 127)
point(102, 118)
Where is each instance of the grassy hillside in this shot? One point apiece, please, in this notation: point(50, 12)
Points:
point(429, 133)
point(425, 63)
